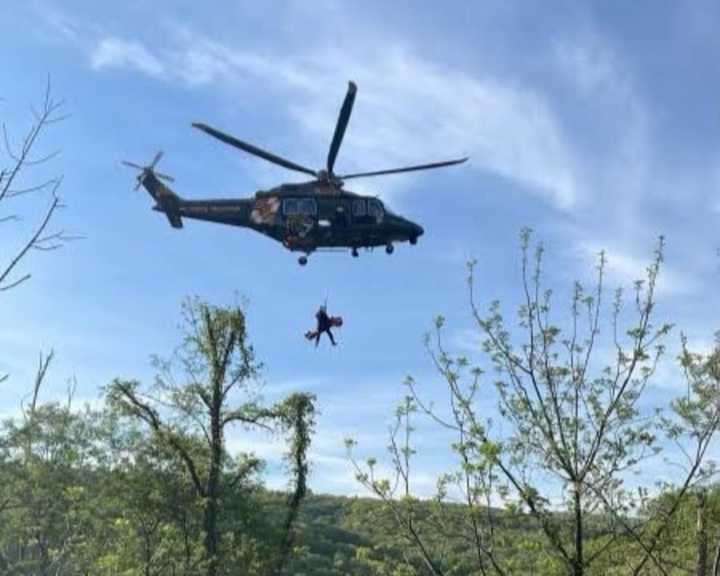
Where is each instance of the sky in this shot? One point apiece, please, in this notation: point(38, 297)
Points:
point(594, 123)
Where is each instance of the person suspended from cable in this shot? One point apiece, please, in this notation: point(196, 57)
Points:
point(325, 323)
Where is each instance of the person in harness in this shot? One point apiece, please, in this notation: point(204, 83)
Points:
point(324, 324)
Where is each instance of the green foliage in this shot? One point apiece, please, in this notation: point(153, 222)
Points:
point(573, 427)
point(188, 416)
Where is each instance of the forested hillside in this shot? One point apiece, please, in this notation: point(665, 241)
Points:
point(338, 536)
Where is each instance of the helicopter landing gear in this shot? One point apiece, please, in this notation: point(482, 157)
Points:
point(354, 253)
point(413, 240)
point(302, 260)
point(389, 248)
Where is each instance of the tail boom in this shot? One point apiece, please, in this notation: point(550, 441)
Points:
point(166, 200)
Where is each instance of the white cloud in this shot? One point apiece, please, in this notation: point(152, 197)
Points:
point(590, 64)
point(619, 167)
point(56, 22)
point(618, 163)
point(114, 52)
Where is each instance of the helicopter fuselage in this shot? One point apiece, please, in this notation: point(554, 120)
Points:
point(303, 217)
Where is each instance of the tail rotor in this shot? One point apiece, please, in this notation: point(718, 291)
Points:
point(149, 169)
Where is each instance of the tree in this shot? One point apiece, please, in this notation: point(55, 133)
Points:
point(573, 431)
point(14, 185)
point(147, 520)
point(45, 476)
point(15, 165)
point(191, 416)
point(694, 416)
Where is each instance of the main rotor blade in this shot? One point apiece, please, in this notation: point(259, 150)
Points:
point(132, 165)
point(342, 122)
point(252, 149)
point(159, 155)
point(164, 176)
point(405, 169)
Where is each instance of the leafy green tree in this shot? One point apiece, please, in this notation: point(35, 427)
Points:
point(151, 519)
point(190, 418)
point(685, 540)
point(573, 432)
point(46, 470)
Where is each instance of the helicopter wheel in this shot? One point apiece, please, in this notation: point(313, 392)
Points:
point(413, 240)
point(389, 248)
point(302, 260)
point(354, 253)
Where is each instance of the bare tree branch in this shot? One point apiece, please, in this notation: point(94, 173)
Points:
point(22, 160)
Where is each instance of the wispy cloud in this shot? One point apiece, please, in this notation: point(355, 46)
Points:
point(591, 65)
point(118, 53)
point(56, 23)
point(616, 141)
point(633, 190)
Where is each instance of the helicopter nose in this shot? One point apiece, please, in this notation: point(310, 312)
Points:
point(419, 231)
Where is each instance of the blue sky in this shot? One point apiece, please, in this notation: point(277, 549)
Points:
point(595, 123)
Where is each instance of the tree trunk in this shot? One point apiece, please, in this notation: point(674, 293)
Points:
point(716, 562)
point(579, 562)
point(211, 503)
point(701, 537)
point(210, 525)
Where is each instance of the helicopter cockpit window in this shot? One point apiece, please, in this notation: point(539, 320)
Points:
point(308, 207)
point(359, 208)
point(290, 206)
point(376, 210)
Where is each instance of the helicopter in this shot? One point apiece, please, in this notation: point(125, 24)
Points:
point(305, 217)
